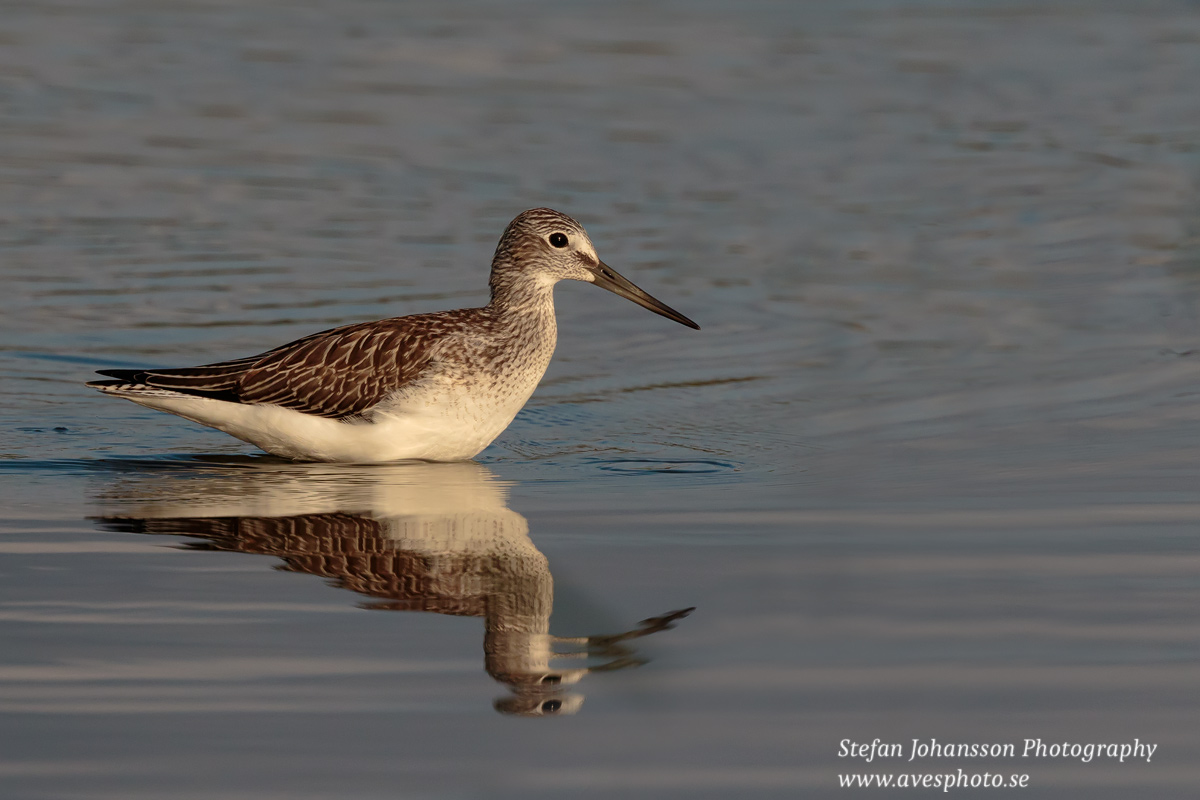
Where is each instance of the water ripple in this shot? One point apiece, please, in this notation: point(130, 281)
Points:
point(645, 466)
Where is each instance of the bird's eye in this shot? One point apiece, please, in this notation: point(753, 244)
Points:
point(558, 239)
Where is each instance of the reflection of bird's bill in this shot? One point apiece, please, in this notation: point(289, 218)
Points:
point(608, 278)
point(663, 622)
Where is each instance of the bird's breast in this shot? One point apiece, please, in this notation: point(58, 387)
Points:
point(471, 392)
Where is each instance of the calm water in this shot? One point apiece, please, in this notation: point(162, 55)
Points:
point(928, 471)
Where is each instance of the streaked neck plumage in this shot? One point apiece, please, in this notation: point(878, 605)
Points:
point(523, 298)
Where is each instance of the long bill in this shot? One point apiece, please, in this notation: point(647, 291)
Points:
point(608, 278)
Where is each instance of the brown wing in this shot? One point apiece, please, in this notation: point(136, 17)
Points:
point(340, 374)
point(352, 550)
point(336, 373)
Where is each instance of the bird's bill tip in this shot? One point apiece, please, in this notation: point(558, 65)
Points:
point(608, 278)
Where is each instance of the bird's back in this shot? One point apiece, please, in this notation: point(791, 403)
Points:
point(337, 374)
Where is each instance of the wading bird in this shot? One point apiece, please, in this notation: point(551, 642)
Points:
point(437, 387)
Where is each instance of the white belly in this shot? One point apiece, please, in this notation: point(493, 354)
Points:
point(474, 385)
point(446, 421)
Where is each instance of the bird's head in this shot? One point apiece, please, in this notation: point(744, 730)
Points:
point(547, 246)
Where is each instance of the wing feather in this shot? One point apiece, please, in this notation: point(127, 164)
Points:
point(337, 373)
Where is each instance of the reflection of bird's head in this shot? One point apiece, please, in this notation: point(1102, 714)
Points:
point(531, 676)
point(538, 705)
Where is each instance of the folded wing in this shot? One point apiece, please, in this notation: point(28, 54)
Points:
point(337, 373)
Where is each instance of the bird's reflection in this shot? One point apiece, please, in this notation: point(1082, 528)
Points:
point(414, 537)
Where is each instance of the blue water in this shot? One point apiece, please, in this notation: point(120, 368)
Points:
point(928, 471)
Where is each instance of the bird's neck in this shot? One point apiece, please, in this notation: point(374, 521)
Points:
point(520, 293)
point(523, 325)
